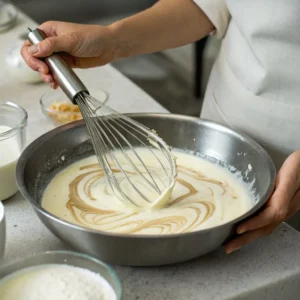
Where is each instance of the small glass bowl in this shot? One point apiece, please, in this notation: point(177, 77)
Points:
point(8, 15)
point(13, 122)
point(67, 258)
point(60, 110)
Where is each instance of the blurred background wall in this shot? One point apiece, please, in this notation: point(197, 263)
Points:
point(176, 78)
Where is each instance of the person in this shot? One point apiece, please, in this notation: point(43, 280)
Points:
point(254, 86)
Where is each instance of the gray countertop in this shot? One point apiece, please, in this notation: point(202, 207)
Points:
point(267, 269)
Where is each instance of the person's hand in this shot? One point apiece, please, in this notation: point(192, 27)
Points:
point(283, 204)
point(84, 46)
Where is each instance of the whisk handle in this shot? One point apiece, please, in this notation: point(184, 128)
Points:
point(62, 73)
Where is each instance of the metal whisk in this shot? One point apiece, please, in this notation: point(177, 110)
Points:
point(136, 162)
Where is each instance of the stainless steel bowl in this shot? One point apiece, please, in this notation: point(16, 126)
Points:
point(66, 258)
point(42, 160)
point(2, 231)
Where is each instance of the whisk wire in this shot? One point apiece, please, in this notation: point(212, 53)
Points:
point(101, 145)
point(155, 186)
point(104, 151)
point(142, 143)
point(133, 150)
point(111, 131)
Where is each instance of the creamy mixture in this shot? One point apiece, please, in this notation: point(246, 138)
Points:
point(9, 154)
point(205, 195)
point(55, 282)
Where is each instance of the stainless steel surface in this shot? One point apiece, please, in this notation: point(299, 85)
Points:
point(2, 231)
point(119, 142)
point(69, 258)
point(63, 74)
point(41, 161)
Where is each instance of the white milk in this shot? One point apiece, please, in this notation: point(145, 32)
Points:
point(9, 154)
point(2, 232)
point(55, 282)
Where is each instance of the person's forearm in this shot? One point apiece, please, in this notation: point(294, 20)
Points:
point(168, 24)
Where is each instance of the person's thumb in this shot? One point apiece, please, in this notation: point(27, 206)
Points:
point(63, 43)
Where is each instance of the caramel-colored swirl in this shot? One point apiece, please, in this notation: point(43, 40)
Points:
point(183, 214)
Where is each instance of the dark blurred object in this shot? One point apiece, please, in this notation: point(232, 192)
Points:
point(80, 10)
point(199, 50)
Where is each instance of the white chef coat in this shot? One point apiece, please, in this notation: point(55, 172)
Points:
point(254, 86)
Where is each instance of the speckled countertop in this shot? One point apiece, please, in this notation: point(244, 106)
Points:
point(267, 269)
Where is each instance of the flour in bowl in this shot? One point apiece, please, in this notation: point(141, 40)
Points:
point(54, 281)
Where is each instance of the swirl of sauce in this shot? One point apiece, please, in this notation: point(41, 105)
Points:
point(182, 214)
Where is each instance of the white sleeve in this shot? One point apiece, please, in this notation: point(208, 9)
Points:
point(218, 13)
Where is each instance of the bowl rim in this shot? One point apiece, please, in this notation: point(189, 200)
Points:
point(23, 122)
point(2, 212)
point(99, 262)
point(35, 144)
point(12, 9)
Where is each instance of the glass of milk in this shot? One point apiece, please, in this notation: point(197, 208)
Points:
point(13, 122)
point(2, 231)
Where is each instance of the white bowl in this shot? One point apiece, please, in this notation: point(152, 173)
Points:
point(2, 231)
point(17, 67)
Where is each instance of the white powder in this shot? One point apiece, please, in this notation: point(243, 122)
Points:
point(55, 282)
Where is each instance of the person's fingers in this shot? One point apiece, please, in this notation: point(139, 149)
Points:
point(34, 63)
point(50, 28)
point(282, 204)
point(278, 206)
point(63, 43)
point(275, 212)
point(47, 78)
point(295, 205)
point(249, 237)
point(289, 174)
point(54, 85)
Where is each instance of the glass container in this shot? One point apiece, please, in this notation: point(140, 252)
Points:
point(67, 258)
point(13, 122)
